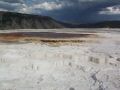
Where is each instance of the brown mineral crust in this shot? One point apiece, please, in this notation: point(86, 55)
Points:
point(43, 36)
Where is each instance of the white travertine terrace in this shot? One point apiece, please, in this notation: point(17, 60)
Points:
point(88, 66)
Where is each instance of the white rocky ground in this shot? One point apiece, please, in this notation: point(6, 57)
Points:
point(88, 66)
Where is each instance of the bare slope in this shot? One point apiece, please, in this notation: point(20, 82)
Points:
point(12, 20)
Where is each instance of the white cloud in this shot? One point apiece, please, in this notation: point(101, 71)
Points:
point(48, 6)
point(113, 10)
point(2, 9)
point(24, 9)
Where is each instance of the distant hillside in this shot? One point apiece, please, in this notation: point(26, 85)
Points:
point(11, 20)
point(104, 24)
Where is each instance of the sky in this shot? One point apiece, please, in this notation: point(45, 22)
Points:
point(71, 11)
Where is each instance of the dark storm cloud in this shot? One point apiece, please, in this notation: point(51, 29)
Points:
point(75, 11)
point(12, 1)
point(83, 11)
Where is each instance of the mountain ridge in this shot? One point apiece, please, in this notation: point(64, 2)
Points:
point(102, 24)
point(12, 20)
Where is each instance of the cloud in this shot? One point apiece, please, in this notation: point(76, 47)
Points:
point(48, 6)
point(112, 10)
point(9, 6)
point(44, 6)
point(13, 1)
point(27, 6)
point(24, 9)
point(66, 10)
point(2, 9)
